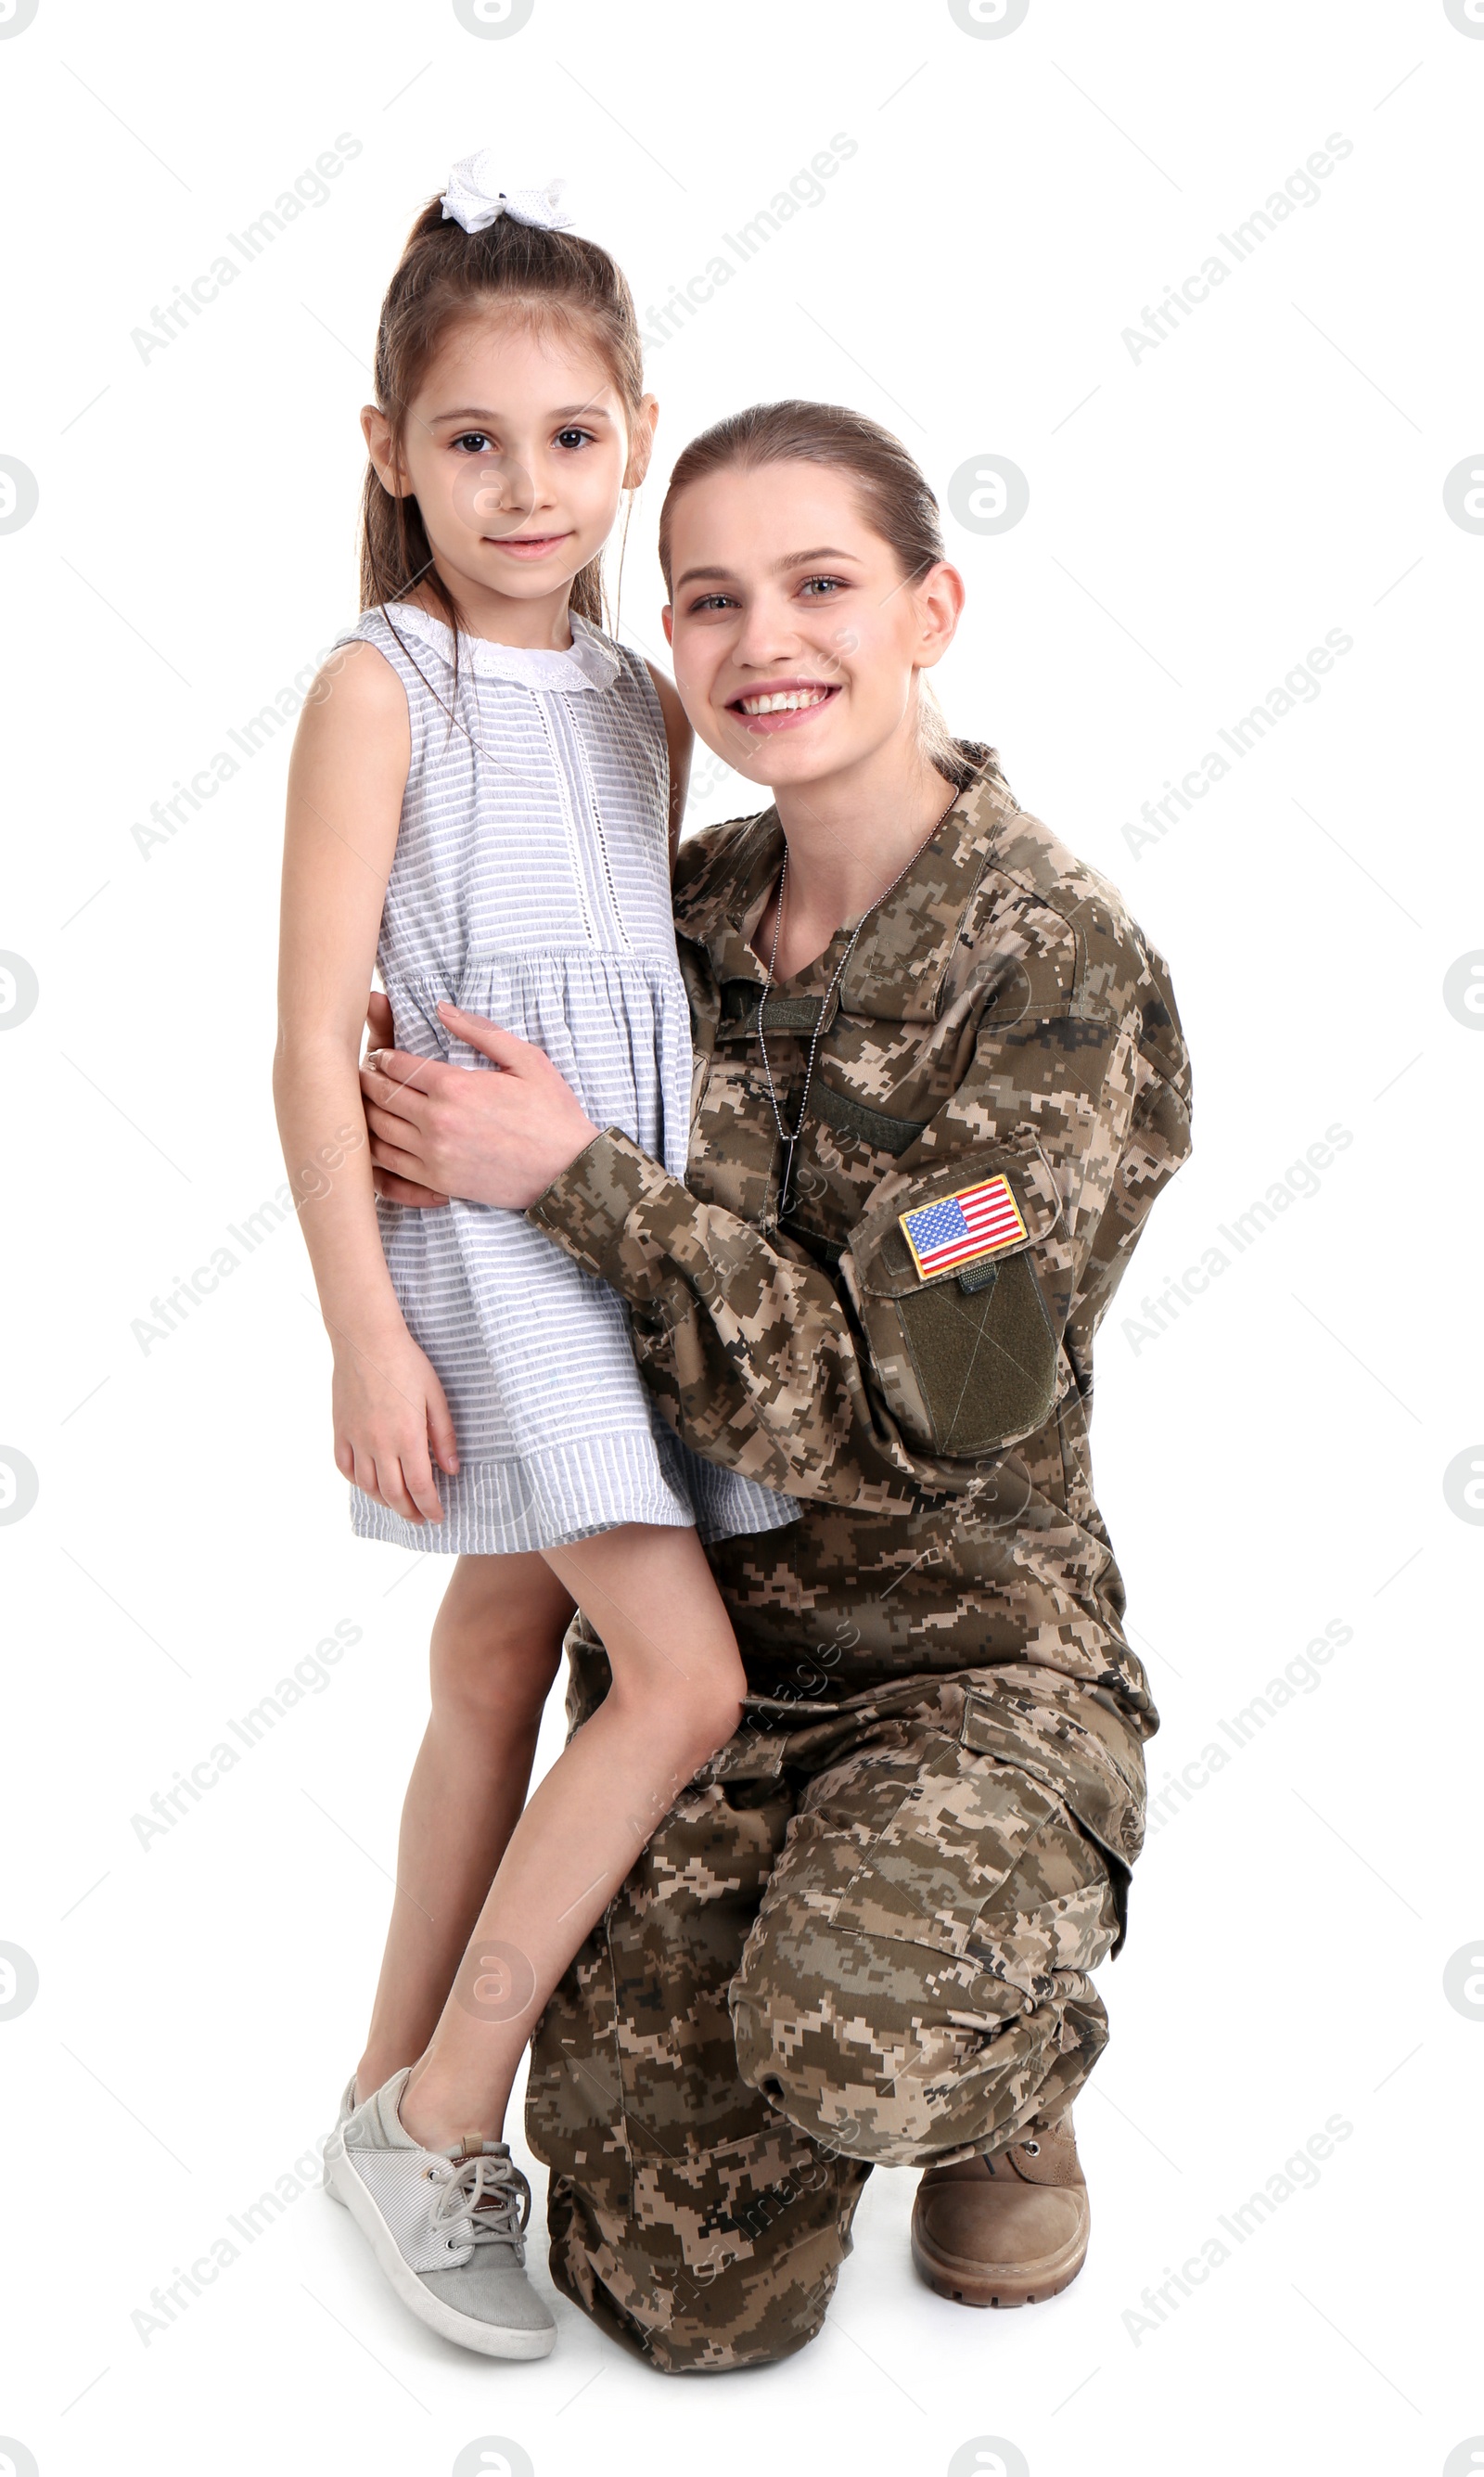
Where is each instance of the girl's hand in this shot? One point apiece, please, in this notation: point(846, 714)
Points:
point(450, 1131)
point(389, 1409)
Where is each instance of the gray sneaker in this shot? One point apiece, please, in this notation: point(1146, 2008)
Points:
point(347, 2111)
point(448, 2232)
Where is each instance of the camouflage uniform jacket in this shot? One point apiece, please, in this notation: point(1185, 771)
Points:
point(1001, 1017)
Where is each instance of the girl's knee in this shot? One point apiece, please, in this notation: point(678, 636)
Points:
point(713, 1712)
point(497, 1640)
point(687, 1715)
point(502, 1686)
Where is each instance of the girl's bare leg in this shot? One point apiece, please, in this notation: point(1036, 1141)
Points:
point(496, 1649)
point(676, 1697)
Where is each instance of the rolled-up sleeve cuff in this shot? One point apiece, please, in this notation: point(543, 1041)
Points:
point(590, 1210)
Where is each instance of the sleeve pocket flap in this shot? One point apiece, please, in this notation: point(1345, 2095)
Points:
point(963, 1352)
point(885, 1261)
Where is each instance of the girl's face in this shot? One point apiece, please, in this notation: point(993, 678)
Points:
point(516, 448)
point(796, 639)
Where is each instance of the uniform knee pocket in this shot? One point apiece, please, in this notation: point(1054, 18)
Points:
point(895, 2051)
point(850, 2037)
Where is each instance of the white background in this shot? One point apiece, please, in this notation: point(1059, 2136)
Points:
point(1271, 1461)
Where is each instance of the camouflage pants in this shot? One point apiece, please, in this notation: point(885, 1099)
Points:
point(859, 1937)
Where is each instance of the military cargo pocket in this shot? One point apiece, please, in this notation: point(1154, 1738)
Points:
point(1103, 1796)
point(964, 1352)
point(942, 1852)
point(700, 2196)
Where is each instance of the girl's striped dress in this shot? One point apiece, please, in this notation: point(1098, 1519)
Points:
point(532, 885)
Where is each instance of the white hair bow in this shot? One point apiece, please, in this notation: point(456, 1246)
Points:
point(474, 199)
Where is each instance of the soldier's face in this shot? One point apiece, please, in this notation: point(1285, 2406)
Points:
point(796, 639)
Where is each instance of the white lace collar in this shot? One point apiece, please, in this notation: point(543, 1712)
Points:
point(589, 662)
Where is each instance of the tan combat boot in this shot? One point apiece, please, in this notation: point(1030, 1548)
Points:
point(1005, 2230)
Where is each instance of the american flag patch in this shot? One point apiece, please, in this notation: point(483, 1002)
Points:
point(976, 1221)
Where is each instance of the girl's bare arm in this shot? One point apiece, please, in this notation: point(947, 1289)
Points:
point(346, 780)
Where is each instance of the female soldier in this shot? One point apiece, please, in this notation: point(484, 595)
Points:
point(940, 1082)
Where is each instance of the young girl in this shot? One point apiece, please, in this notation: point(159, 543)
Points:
point(484, 795)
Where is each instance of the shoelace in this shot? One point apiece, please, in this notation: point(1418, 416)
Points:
point(490, 2194)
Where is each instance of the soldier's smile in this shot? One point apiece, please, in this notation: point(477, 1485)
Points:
point(784, 705)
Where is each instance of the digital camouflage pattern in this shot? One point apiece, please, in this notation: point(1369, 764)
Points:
point(866, 1932)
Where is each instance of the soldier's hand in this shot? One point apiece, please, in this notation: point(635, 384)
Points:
point(443, 1129)
point(397, 1190)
